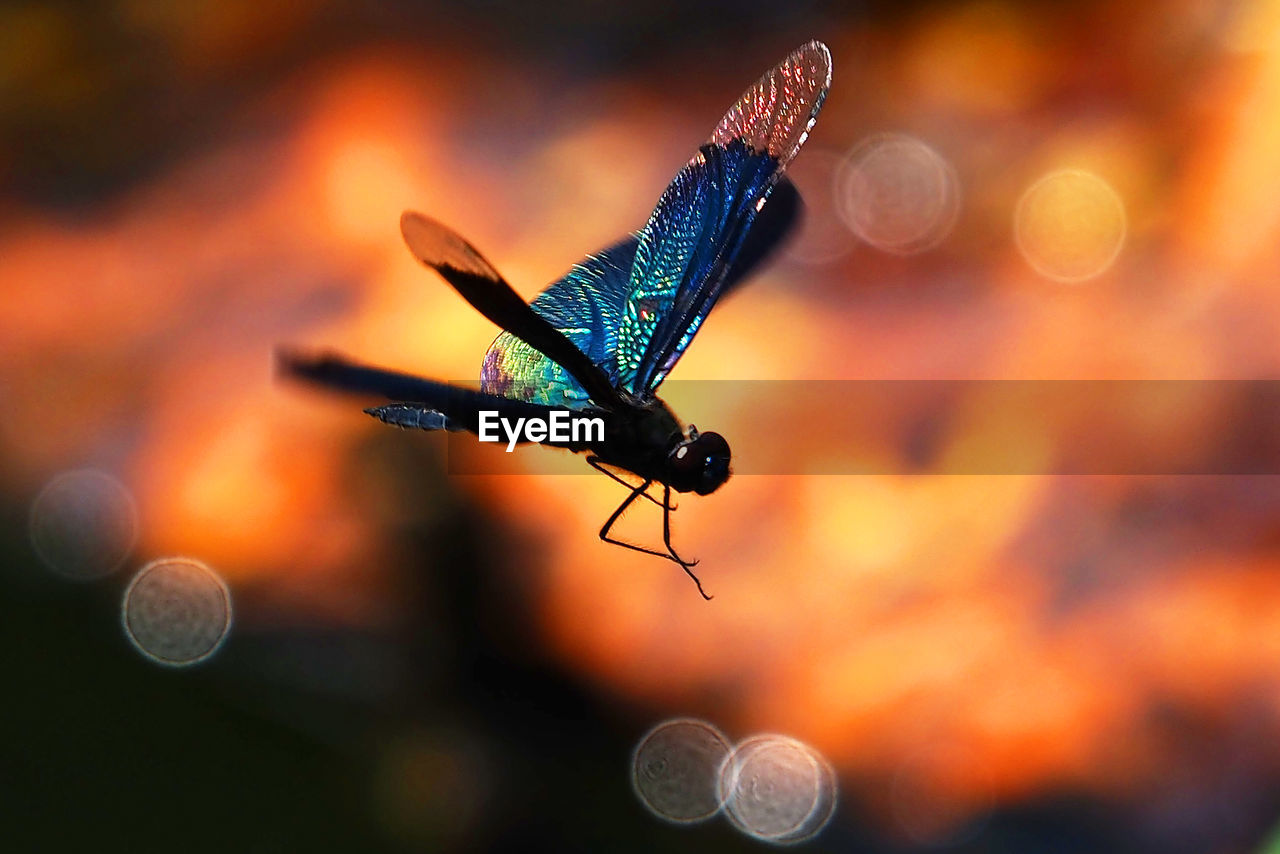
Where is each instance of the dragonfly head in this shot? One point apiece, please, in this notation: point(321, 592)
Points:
point(699, 463)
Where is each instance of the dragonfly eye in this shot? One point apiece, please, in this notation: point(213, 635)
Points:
point(700, 463)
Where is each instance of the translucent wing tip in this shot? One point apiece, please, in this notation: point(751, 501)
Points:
point(776, 114)
point(436, 245)
point(415, 228)
point(815, 58)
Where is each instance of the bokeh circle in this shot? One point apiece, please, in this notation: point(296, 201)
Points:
point(177, 611)
point(83, 524)
point(777, 789)
point(1070, 225)
point(675, 767)
point(897, 194)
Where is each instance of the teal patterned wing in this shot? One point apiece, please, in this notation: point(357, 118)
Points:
point(709, 219)
point(586, 305)
point(634, 308)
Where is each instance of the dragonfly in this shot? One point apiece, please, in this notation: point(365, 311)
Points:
point(599, 342)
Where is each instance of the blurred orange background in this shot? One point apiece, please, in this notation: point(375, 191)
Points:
point(993, 638)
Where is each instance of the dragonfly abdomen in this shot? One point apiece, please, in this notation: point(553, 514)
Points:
point(412, 417)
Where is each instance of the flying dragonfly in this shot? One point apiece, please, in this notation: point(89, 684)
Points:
point(599, 342)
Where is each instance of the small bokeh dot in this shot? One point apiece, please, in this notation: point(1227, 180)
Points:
point(675, 769)
point(1070, 225)
point(83, 524)
point(897, 194)
point(177, 611)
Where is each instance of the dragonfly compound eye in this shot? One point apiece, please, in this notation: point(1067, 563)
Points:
point(705, 462)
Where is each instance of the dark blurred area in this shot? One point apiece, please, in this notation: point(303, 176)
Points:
point(99, 96)
point(452, 732)
point(425, 662)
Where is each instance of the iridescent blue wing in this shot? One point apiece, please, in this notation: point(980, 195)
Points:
point(459, 263)
point(711, 228)
point(699, 238)
point(586, 306)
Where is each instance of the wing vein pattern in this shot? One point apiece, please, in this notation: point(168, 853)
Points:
point(634, 308)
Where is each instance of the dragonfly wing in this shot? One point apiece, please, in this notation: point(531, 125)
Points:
point(708, 229)
point(776, 114)
point(585, 305)
point(777, 220)
point(457, 261)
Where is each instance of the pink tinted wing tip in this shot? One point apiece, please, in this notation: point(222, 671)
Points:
point(778, 111)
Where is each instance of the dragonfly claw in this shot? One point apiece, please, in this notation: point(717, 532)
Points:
point(689, 572)
point(687, 564)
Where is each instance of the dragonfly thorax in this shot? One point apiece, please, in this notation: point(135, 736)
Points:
point(647, 438)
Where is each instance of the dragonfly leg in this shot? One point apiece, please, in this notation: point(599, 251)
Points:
point(636, 492)
point(595, 463)
point(686, 565)
point(669, 554)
